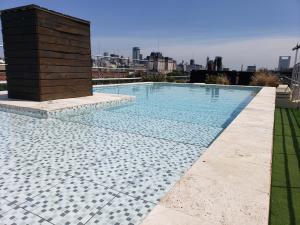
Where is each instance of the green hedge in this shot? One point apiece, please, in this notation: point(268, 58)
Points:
point(3, 87)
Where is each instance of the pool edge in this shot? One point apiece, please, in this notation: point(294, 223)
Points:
point(61, 107)
point(230, 182)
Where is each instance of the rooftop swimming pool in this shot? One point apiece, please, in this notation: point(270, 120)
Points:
point(109, 165)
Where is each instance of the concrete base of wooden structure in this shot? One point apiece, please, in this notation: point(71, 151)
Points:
point(60, 107)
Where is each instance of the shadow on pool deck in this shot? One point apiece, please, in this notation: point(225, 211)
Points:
point(285, 194)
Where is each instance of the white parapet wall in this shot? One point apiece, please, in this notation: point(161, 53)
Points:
point(230, 183)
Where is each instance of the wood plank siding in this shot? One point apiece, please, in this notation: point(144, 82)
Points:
point(48, 54)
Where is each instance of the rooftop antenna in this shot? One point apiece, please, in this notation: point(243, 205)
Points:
point(158, 45)
point(296, 55)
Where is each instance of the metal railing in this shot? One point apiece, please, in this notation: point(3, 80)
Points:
point(294, 85)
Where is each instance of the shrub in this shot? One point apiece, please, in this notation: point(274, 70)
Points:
point(3, 87)
point(180, 81)
point(264, 78)
point(176, 73)
point(223, 80)
point(217, 79)
point(170, 79)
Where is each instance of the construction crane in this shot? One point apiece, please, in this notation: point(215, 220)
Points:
point(296, 55)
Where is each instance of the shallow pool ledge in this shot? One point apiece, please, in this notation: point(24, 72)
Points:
point(60, 107)
point(230, 182)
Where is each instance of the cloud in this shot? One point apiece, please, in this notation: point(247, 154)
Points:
point(259, 51)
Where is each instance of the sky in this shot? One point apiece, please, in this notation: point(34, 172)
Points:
point(243, 32)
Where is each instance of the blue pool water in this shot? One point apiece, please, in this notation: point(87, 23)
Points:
point(183, 113)
point(110, 165)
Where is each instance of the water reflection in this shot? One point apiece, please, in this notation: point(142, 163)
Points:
point(213, 92)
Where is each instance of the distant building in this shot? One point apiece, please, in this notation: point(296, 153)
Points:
point(214, 65)
point(156, 62)
point(124, 62)
point(192, 66)
point(284, 63)
point(169, 65)
point(181, 67)
point(251, 69)
point(218, 66)
point(160, 64)
point(192, 62)
point(110, 61)
point(114, 56)
point(135, 54)
point(210, 64)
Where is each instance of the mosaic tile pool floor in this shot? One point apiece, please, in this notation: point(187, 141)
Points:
point(109, 166)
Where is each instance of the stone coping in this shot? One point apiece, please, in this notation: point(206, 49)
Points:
point(61, 107)
point(174, 83)
point(230, 182)
point(122, 84)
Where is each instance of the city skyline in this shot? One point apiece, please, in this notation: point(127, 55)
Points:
point(248, 33)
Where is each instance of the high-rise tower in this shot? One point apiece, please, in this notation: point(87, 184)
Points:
point(135, 54)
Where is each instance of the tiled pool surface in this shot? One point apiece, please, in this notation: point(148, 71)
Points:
point(109, 166)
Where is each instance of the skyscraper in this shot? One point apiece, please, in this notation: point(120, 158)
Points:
point(214, 65)
point(135, 54)
point(218, 63)
point(284, 63)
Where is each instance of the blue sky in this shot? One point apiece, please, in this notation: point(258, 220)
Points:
point(242, 31)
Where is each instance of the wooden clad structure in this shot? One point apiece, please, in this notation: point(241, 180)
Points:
point(48, 54)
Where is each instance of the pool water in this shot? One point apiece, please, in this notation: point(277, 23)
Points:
point(110, 165)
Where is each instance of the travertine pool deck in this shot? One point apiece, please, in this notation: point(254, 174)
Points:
point(47, 109)
point(230, 182)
